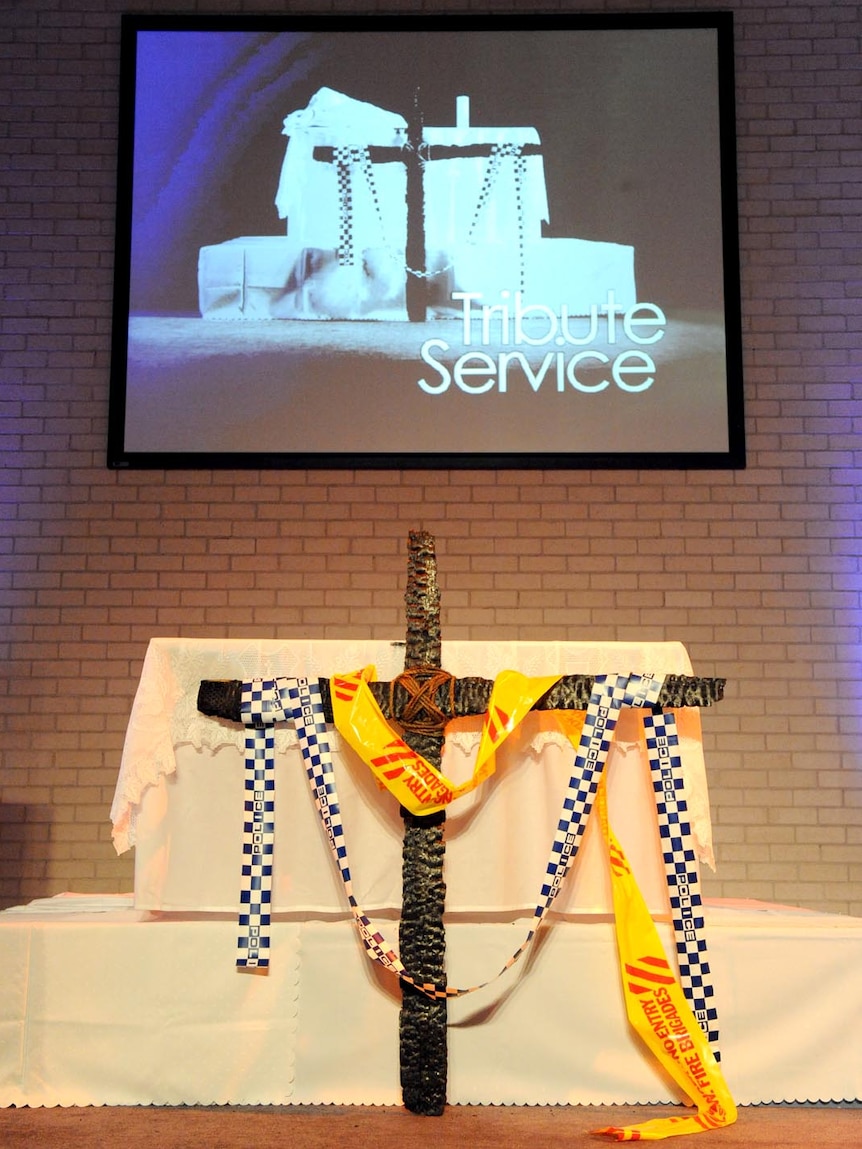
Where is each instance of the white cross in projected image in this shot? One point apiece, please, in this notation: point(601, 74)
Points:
point(417, 154)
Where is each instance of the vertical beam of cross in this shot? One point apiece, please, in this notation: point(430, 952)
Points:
point(422, 939)
point(416, 284)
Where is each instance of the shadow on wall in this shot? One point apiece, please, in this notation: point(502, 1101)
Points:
point(24, 832)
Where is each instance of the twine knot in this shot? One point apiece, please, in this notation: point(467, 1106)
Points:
point(427, 699)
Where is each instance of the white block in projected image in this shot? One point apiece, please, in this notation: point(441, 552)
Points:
point(570, 274)
point(271, 277)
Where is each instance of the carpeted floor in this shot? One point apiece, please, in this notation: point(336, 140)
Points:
point(323, 1127)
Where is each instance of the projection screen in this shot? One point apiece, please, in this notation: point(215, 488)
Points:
point(427, 242)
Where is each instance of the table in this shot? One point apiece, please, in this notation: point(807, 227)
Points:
point(103, 1004)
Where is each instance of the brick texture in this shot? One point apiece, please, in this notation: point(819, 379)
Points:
point(756, 571)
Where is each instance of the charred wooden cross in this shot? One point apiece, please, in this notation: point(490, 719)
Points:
point(422, 700)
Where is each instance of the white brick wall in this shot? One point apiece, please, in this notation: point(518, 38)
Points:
point(756, 571)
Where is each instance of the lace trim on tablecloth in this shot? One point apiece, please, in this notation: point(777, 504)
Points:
point(188, 727)
point(165, 715)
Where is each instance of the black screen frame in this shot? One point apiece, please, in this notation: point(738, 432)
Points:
point(485, 456)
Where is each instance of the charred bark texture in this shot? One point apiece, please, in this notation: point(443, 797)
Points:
point(422, 938)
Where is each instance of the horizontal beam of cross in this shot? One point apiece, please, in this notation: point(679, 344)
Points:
point(382, 154)
point(460, 697)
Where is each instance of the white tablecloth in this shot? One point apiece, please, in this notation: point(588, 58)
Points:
point(180, 790)
point(127, 1008)
point(105, 1002)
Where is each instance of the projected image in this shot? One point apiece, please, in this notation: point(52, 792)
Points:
point(433, 246)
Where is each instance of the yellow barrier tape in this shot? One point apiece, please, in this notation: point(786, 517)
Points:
point(420, 787)
point(655, 1003)
point(658, 1010)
